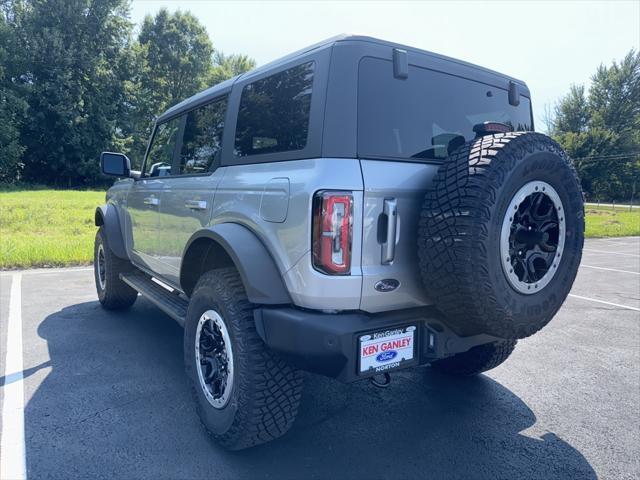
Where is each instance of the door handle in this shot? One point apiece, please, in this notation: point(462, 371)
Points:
point(390, 209)
point(152, 201)
point(196, 204)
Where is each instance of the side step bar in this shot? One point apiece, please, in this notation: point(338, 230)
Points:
point(169, 302)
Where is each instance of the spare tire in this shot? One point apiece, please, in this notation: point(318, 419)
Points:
point(501, 234)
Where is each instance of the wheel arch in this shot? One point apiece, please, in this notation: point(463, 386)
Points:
point(107, 216)
point(231, 244)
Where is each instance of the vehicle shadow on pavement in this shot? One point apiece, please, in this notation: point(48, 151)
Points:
point(116, 404)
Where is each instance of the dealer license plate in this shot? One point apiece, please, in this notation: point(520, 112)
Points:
point(387, 349)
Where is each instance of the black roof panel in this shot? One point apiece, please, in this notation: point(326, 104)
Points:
point(226, 86)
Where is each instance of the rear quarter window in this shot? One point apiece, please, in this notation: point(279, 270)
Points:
point(426, 114)
point(274, 113)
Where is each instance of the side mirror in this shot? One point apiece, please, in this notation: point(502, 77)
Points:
point(115, 164)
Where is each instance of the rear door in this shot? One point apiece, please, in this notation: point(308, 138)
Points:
point(406, 128)
point(393, 193)
point(187, 196)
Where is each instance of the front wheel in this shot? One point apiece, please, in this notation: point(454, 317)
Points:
point(113, 293)
point(245, 394)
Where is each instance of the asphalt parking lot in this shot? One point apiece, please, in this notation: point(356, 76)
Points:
point(105, 396)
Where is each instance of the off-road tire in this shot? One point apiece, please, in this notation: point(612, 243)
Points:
point(115, 294)
point(460, 227)
point(477, 360)
point(266, 390)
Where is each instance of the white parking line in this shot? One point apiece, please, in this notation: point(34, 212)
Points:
point(44, 271)
point(610, 253)
point(12, 447)
point(609, 269)
point(606, 303)
point(617, 244)
point(630, 237)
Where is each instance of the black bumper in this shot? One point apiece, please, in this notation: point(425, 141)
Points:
point(328, 344)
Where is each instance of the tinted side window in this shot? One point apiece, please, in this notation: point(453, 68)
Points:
point(428, 114)
point(274, 112)
point(202, 140)
point(160, 157)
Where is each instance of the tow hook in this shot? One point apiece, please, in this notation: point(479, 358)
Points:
point(381, 380)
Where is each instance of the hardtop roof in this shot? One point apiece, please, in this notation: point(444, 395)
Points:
point(226, 86)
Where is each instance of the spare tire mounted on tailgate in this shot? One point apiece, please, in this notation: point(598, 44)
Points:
point(501, 234)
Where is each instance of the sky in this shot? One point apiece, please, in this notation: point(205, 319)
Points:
point(548, 44)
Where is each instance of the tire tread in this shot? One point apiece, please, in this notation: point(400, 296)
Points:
point(477, 360)
point(117, 295)
point(269, 390)
point(453, 232)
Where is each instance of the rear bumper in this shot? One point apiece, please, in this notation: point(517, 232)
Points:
point(328, 344)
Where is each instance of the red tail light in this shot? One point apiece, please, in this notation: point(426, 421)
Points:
point(332, 231)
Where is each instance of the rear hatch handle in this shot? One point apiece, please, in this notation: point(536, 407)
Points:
point(390, 211)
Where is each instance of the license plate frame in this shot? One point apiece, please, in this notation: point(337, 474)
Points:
point(387, 349)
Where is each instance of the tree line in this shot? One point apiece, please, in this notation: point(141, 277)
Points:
point(75, 80)
point(599, 127)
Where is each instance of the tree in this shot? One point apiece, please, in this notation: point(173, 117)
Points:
point(68, 66)
point(572, 112)
point(228, 66)
point(177, 53)
point(173, 58)
point(12, 106)
point(73, 83)
point(601, 129)
point(614, 97)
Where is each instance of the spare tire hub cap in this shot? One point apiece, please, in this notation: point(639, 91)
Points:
point(532, 237)
point(214, 358)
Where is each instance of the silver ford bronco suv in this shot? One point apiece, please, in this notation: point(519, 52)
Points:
point(352, 209)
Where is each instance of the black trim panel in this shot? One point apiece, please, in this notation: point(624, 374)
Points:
point(107, 216)
point(260, 275)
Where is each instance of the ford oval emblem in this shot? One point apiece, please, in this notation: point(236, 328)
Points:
point(386, 356)
point(387, 285)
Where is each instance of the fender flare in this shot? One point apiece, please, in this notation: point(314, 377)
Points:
point(260, 275)
point(107, 216)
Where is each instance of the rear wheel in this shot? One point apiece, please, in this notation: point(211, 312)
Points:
point(477, 360)
point(245, 394)
point(501, 234)
point(113, 293)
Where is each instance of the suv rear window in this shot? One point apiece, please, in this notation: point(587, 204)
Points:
point(274, 112)
point(425, 115)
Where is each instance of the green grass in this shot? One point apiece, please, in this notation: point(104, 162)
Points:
point(607, 222)
point(48, 228)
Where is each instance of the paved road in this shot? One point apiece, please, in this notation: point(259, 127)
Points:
point(106, 397)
